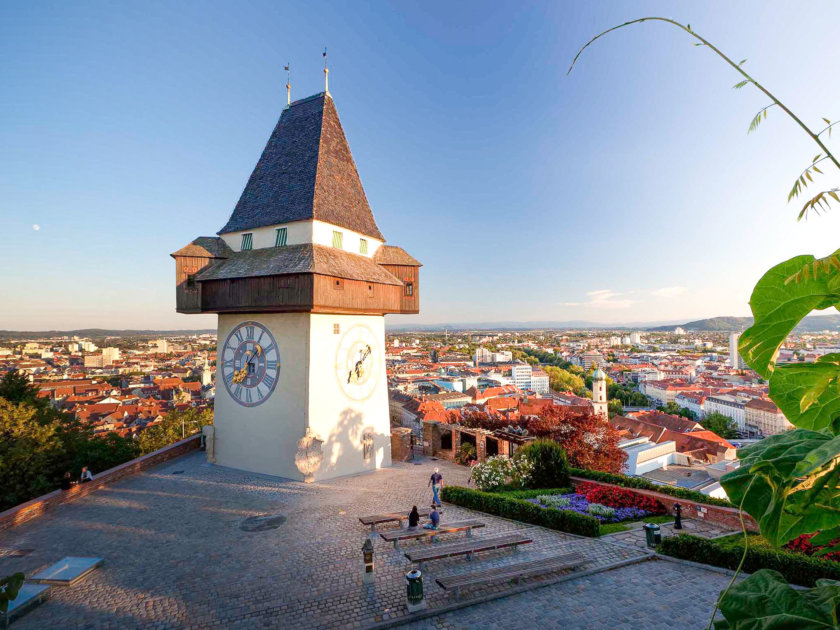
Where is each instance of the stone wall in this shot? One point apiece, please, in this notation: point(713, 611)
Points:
point(401, 444)
point(36, 507)
point(725, 516)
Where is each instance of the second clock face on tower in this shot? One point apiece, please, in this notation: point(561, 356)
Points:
point(250, 363)
point(357, 362)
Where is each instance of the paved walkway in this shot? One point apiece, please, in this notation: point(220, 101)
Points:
point(653, 595)
point(636, 535)
point(176, 555)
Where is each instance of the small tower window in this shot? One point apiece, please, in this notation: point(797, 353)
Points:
point(409, 288)
point(338, 239)
point(191, 282)
point(280, 238)
point(247, 241)
point(363, 246)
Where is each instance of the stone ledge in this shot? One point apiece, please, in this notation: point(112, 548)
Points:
point(34, 508)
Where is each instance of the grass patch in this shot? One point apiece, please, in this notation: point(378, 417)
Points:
point(613, 528)
point(513, 493)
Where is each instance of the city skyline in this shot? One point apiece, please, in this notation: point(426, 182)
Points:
point(475, 150)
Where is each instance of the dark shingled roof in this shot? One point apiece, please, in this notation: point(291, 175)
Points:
point(305, 172)
point(305, 258)
point(205, 247)
point(393, 255)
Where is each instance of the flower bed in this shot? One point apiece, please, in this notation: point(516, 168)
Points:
point(582, 505)
point(619, 498)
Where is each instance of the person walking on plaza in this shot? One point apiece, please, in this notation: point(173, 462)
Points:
point(436, 482)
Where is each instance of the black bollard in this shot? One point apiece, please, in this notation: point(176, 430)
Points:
point(677, 516)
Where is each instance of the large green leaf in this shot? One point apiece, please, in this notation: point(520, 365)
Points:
point(780, 300)
point(764, 601)
point(789, 484)
point(809, 393)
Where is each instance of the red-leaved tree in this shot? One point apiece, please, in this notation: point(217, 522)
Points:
point(589, 440)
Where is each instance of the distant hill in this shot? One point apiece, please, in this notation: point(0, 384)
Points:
point(97, 333)
point(813, 323)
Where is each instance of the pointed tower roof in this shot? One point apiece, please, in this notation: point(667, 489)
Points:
point(305, 172)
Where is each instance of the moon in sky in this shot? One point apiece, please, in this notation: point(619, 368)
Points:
point(36, 227)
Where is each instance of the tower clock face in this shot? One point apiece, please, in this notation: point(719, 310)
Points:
point(357, 362)
point(250, 364)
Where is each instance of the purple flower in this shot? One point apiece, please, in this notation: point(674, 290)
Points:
point(578, 503)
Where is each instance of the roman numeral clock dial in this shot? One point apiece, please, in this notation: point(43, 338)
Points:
point(250, 364)
point(357, 362)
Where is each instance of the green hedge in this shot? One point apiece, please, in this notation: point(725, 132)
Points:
point(520, 510)
point(643, 484)
point(797, 568)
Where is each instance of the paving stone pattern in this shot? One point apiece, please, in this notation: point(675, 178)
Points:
point(636, 535)
point(175, 555)
point(653, 595)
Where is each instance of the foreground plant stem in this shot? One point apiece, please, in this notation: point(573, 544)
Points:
point(737, 67)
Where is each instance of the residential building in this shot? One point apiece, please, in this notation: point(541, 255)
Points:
point(764, 415)
point(734, 357)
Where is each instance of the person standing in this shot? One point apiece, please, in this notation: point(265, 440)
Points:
point(436, 482)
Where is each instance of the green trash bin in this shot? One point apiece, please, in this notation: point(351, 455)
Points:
point(414, 586)
point(653, 535)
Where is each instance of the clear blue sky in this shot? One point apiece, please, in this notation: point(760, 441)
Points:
point(628, 191)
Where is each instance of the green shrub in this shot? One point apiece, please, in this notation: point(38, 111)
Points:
point(795, 567)
point(549, 468)
point(520, 510)
point(463, 454)
point(643, 484)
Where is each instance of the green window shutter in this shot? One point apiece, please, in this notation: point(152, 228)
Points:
point(247, 241)
point(338, 239)
point(363, 246)
point(280, 240)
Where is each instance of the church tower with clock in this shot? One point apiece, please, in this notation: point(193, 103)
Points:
point(301, 279)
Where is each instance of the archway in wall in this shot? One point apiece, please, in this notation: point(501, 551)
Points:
point(492, 446)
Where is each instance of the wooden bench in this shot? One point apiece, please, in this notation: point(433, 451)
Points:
point(375, 519)
point(467, 548)
point(511, 572)
point(396, 535)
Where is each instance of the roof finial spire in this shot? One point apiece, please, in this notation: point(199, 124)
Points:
point(326, 73)
point(288, 84)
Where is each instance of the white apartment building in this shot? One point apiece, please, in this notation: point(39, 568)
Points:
point(635, 338)
point(110, 356)
point(695, 403)
point(539, 382)
point(729, 406)
point(520, 373)
point(483, 355)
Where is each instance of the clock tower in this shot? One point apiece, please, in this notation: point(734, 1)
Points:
point(301, 279)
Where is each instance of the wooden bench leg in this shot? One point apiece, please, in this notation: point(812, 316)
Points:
point(373, 527)
point(457, 592)
point(469, 557)
point(396, 544)
point(469, 533)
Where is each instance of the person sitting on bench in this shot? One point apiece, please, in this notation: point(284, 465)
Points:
point(434, 519)
point(413, 517)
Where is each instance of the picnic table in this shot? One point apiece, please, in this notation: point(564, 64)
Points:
point(409, 533)
point(375, 519)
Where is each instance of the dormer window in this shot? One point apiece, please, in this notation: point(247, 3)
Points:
point(247, 241)
point(363, 246)
point(280, 237)
point(338, 239)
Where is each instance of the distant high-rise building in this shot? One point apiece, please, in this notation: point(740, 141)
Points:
point(635, 338)
point(734, 357)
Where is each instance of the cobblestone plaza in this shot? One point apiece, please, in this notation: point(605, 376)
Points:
point(176, 555)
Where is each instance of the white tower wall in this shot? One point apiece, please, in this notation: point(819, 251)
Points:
point(309, 393)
